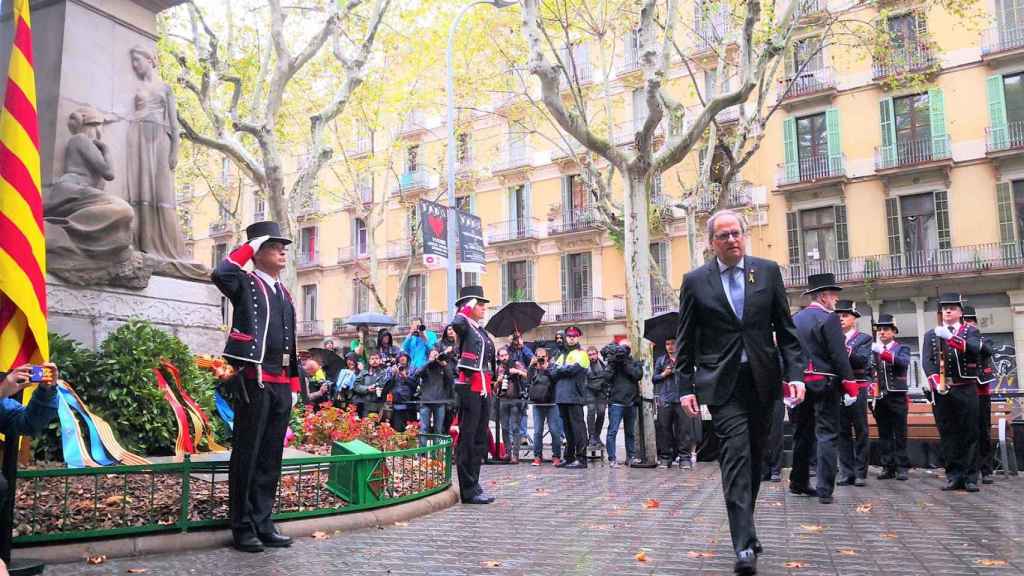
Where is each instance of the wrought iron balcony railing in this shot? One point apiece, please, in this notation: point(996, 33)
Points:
point(806, 83)
point(1001, 38)
point(909, 153)
point(914, 58)
point(1008, 137)
point(575, 220)
point(811, 169)
point(512, 230)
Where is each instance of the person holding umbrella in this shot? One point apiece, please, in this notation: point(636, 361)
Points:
point(477, 367)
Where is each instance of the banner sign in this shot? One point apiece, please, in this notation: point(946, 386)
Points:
point(471, 243)
point(434, 230)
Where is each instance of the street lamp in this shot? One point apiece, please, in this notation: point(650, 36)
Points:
point(452, 217)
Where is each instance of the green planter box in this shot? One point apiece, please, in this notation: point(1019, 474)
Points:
point(361, 481)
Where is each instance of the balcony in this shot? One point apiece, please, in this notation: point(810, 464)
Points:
point(737, 196)
point(349, 254)
point(575, 220)
point(434, 321)
point(397, 249)
point(220, 228)
point(811, 172)
point(912, 154)
point(414, 182)
point(625, 132)
point(968, 260)
point(309, 209)
point(665, 205)
point(339, 327)
point(567, 148)
point(307, 261)
point(513, 230)
point(361, 147)
point(575, 310)
point(712, 30)
point(309, 328)
point(1000, 43)
point(630, 61)
point(581, 75)
point(916, 58)
point(1004, 140)
point(259, 216)
point(808, 86)
point(414, 123)
point(513, 158)
point(661, 302)
point(464, 168)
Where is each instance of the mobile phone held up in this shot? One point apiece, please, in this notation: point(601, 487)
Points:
point(39, 374)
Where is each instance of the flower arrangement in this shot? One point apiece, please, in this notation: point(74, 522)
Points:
point(320, 429)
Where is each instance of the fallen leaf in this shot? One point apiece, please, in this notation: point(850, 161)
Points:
point(795, 565)
point(651, 503)
point(540, 492)
point(696, 554)
point(776, 504)
point(847, 552)
point(401, 524)
point(490, 564)
point(137, 570)
point(98, 559)
point(813, 528)
point(989, 563)
point(889, 535)
point(865, 508)
point(319, 535)
point(641, 556)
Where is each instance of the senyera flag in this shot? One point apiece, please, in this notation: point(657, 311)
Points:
point(23, 335)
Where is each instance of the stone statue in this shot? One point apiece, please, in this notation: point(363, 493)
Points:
point(152, 155)
point(89, 232)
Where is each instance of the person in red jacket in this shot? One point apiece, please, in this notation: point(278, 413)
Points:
point(261, 347)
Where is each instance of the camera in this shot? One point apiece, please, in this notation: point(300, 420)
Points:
point(614, 353)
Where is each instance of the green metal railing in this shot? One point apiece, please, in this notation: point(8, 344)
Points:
point(63, 504)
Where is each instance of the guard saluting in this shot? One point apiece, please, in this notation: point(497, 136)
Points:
point(949, 351)
point(853, 414)
point(986, 377)
point(261, 347)
point(891, 361)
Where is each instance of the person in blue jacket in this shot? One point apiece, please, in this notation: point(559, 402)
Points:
point(418, 344)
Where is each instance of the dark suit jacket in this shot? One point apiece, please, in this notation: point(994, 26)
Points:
point(859, 348)
point(710, 339)
point(821, 336)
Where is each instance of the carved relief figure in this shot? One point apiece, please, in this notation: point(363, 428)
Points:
point(153, 138)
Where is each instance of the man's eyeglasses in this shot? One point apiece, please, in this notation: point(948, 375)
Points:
point(729, 235)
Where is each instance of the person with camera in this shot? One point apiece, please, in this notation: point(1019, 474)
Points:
point(541, 392)
point(398, 392)
point(20, 420)
point(623, 399)
point(386, 347)
point(434, 389)
point(317, 388)
point(672, 425)
point(418, 343)
point(368, 388)
point(597, 397)
point(512, 391)
point(570, 374)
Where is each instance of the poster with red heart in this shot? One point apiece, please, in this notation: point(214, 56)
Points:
point(434, 231)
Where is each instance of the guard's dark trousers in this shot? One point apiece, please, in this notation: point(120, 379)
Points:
point(817, 418)
point(985, 435)
point(891, 416)
point(956, 415)
point(472, 447)
point(853, 438)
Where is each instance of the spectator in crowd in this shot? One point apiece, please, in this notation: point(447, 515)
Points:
point(386, 347)
point(541, 392)
point(317, 389)
point(434, 388)
point(672, 424)
point(347, 377)
point(330, 344)
point(399, 392)
point(623, 398)
point(448, 345)
point(520, 352)
point(368, 389)
point(597, 397)
point(511, 388)
point(358, 347)
point(570, 375)
point(418, 343)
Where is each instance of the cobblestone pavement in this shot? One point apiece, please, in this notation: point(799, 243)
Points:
point(549, 521)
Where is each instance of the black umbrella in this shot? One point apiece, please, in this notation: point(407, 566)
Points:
point(331, 362)
point(515, 316)
point(659, 328)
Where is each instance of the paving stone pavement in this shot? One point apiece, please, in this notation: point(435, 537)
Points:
point(595, 522)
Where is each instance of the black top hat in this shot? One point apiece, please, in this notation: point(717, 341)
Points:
point(819, 282)
point(885, 320)
point(970, 313)
point(951, 298)
point(847, 306)
point(266, 228)
point(471, 292)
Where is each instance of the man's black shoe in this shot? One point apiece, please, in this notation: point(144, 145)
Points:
point(952, 485)
point(986, 479)
point(825, 499)
point(887, 475)
point(478, 499)
point(757, 548)
point(247, 543)
point(845, 482)
point(577, 465)
point(971, 487)
point(565, 462)
point(746, 562)
point(802, 491)
point(902, 476)
point(860, 482)
point(275, 540)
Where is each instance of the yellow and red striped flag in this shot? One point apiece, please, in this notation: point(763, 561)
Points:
point(23, 335)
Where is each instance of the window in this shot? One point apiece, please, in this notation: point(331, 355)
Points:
point(361, 240)
point(817, 228)
point(364, 184)
point(307, 244)
point(412, 154)
point(466, 203)
point(517, 281)
point(225, 171)
point(517, 151)
point(1013, 94)
point(917, 216)
point(818, 241)
point(919, 233)
point(812, 144)
point(360, 297)
point(639, 108)
point(223, 214)
point(465, 279)
point(574, 192)
point(631, 49)
point(415, 296)
point(913, 123)
point(711, 87)
point(806, 57)
point(576, 281)
point(259, 206)
point(1010, 14)
point(462, 151)
point(904, 30)
point(659, 257)
point(518, 207)
point(220, 252)
point(309, 303)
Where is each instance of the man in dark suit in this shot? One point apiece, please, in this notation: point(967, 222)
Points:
point(828, 366)
point(891, 361)
point(853, 415)
point(729, 310)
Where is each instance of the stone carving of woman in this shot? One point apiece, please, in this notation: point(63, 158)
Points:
point(88, 232)
point(152, 154)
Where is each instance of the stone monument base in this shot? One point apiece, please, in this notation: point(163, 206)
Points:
point(190, 310)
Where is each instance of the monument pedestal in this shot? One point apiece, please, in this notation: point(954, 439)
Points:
point(188, 309)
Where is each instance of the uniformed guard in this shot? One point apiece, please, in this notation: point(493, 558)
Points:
point(853, 414)
point(890, 361)
point(986, 378)
point(950, 349)
point(261, 347)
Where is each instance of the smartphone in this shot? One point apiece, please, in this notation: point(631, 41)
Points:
point(40, 374)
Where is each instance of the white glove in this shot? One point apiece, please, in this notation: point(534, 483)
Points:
point(295, 398)
point(849, 400)
point(943, 332)
point(877, 347)
point(257, 242)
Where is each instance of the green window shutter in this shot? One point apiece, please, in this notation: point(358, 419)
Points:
point(937, 111)
point(1007, 219)
point(793, 235)
point(893, 223)
point(510, 208)
point(529, 280)
point(996, 112)
point(789, 144)
point(942, 219)
point(842, 235)
point(528, 201)
point(835, 142)
point(506, 284)
point(888, 150)
point(566, 277)
point(587, 291)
